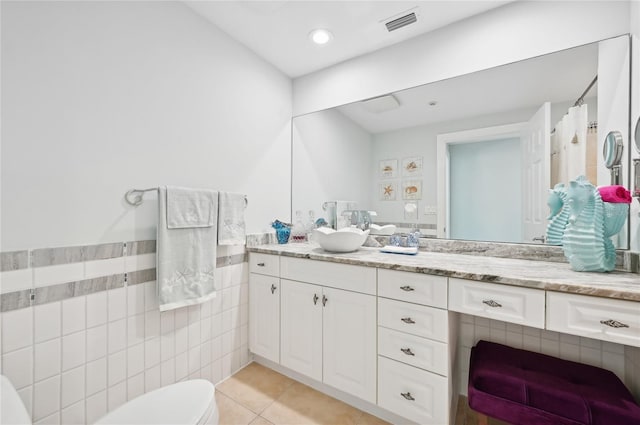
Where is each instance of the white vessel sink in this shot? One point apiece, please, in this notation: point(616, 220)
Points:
point(347, 239)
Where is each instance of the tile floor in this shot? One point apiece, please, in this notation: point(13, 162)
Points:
point(257, 395)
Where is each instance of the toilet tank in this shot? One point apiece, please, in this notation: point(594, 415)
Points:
point(12, 410)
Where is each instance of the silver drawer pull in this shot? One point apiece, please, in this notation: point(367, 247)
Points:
point(491, 303)
point(407, 396)
point(315, 299)
point(614, 323)
point(408, 320)
point(324, 301)
point(260, 264)
point(407, 351)
point(407, 288)
point(273, 288)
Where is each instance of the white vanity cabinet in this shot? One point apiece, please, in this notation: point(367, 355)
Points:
point(329, 334)
point(264, 306)
point(416, 349)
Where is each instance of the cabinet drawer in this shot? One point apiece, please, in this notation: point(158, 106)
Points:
point(334, 275)
point(592, 317)
point(412, 393)
point(264, 264)
point(413, 287)
point(415, 319)
point(513, 304)
point(420, 352)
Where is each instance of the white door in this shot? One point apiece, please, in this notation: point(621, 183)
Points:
point(264, 316)
point(536, 174)
point(301, 328)
point(350, 342)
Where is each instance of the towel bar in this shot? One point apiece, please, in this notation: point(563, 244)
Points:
point(134, 196)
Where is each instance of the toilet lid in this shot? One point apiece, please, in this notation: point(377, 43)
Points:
point(189, 402)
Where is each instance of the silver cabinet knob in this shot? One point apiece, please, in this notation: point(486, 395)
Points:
point(315, 299)
point(273, 288)
point(324, 300)
point(260, 264)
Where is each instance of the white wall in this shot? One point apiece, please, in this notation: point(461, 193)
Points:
point(331, 161)
point(102, 97)
point(506, 34)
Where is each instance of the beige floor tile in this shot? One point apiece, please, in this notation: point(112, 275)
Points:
point(260, 421)
point(303, 405)
point(232, 413)
point(255, 387)
point(367, 419)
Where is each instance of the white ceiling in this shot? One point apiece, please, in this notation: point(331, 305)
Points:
point(278, 30)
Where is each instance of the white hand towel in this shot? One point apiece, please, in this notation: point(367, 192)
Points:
point(186, 257)
point(231, 228)
point(188, 208)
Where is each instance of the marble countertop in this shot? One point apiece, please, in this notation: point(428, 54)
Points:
point(551, 276)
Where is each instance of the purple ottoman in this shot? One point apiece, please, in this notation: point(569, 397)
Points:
point(521, 387)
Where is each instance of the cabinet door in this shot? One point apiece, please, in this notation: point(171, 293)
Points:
point(350, 342)
point(301, 328)
point(264, 316)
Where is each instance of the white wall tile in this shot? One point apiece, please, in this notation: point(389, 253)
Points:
point(216, 348)
point(135, 329)
point(96, 406)
point(611, 347)
point(49, 420)
point(194, 359)
point(117, 395)
point(117, 368)
point(194, 313)
point(167, 346)
point(96, 309)
point(135, 299)
point(117, 336)
point(216, 371)
point(106, 267)
point(182, 339)
point(167, 323)
point(135, 386)
point(152, 378)
point(216, 325)
point(96, 342)
point(140, 262)
point(47, 321)
point(168, 372)
point(16, 280)
point(18, 367)
point(205, 329)
point(569, 351)
point(205, 309)
point(182, 365)
point(73, 315)
point(216, 304)
point(135, 360)
point(205, 354)
point(151, 352)
point(194, 334)
point(74, 414)
point(73, 350)
point(181, 318)
point(96, 376)
point(51, 275)
point(151, 296)
point(47, 359)
point(117, 304)
point(152, 324)
point(26, 394)
point(72, 386)
point(590, 343)
point(46, 397)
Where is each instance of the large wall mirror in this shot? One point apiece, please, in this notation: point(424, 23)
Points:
point(471, 157)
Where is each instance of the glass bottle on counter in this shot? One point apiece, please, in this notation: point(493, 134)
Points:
point(298, 231)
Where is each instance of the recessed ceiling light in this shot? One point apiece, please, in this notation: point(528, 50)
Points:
point(320, 36)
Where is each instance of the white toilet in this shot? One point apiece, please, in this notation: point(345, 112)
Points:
point(190, 403)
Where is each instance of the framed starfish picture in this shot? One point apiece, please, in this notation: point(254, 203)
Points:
point(388, 191)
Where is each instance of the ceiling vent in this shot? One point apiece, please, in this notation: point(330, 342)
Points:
point(402, 21)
